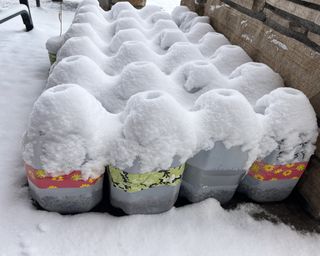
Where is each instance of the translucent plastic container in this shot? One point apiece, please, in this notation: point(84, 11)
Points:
point(144, 193)
point(52, 57)
point(269, 181)
point(215, 173)
point(291, 126)
point(64, 194)
point(53, 45)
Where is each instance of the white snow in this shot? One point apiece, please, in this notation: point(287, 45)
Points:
point(247, 37)
point(127, 67)
point(6, 12)
point(200, 229)
point(289, 118)
point(280, 44)
point(68, 109)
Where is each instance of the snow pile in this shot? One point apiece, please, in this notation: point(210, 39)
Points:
point(290, 124)
point(227, 116)
point(90, 20)
point(185, 83)
point(68, 110)
point(156, 130)
point(153, 129)
point(160, 94)
point(199, 228)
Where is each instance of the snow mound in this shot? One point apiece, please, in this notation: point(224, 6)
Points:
point(153, 129)
point(155, 88)
point(156, 129)
point(67, 130)
point(92, 21)
point(290, 123)
point(186, 82)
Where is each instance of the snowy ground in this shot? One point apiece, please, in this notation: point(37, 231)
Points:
point(200, 229)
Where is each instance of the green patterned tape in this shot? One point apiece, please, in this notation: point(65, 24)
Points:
point(52, 57)
point(135, 182)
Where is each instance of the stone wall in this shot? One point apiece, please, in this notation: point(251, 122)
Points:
point(286, 36)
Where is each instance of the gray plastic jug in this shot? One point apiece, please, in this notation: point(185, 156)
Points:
point(63, 200)
point(215, 173)
point(146, 193)
point(269, 180)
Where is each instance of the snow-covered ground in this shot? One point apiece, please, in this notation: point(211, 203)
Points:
point(199, 229)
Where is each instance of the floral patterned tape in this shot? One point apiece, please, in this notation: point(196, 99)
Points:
point(52, 57)
point(134, 182)
point(267, 172)
point(73, 180)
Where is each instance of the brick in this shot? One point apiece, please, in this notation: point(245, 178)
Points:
point(314, 37)
point(197, 7)
point(190, 3)
point(312, 1)
point(296, 63)
point(309, 187)
point(275, 18)
point(136, 3)
point(245, 3)
point(297, 10)
point(298, 28)
point(253, 5)
point(104, 4)
point(259, 5)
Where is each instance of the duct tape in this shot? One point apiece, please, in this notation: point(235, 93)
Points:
point(268, 172)
point(73, 180)
point(134, 182)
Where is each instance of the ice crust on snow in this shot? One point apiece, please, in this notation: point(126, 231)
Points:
point(153, 94)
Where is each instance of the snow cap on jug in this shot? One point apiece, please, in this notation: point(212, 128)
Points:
point(68, 126)
point(156, 129)
point(290, 120)
point(225, 115)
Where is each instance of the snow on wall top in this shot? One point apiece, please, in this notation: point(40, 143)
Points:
point(147, 86)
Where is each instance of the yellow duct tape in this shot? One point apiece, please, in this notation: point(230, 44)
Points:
point(134, 182)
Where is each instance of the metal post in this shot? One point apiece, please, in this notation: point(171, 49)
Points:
point(27, 20)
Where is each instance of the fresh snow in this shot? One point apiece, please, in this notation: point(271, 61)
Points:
point(294, 130)
point(11, 11)
point(199, 229)
point(157, 128)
